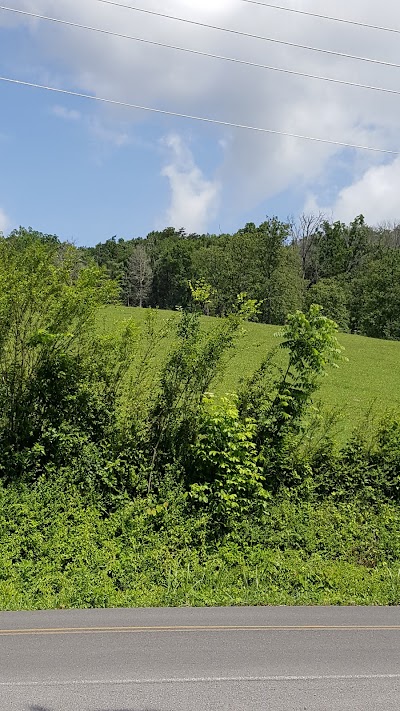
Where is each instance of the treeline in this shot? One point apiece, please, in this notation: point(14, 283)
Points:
point(352, 271)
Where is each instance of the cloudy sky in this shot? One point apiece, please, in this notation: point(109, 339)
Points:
point(86, 170)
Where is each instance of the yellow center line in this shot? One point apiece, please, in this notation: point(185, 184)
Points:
point(198, 628)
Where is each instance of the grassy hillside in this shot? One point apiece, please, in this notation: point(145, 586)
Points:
point(369, 380)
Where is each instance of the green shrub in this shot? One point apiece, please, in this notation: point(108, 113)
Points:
point(222, 468)
point(60, 549)
point(279, 398)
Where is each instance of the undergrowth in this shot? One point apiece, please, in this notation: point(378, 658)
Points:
point(59, 551)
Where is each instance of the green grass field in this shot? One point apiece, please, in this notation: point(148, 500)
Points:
point(369, 380)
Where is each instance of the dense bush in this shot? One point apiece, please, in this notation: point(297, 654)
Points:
point(59, 550)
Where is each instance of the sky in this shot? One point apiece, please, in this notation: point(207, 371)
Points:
point(87, 171)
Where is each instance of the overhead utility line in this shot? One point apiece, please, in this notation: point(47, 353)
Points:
point(203, 119)
point(322, 17)
point(203, 54)
point(248, 34)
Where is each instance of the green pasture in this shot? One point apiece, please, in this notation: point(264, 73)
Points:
point(368, 382)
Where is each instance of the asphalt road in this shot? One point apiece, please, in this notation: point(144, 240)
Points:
point(231, 659)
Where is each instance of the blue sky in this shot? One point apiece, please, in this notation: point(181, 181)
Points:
point(87, 171)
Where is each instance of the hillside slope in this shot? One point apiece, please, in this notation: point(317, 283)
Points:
point(369, 380)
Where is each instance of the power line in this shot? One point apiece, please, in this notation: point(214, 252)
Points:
point(248, 34)
point(203, 119)
point(202, 54)
point(322, 17)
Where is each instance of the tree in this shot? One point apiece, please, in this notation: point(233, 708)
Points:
point(386, 234)
point(304, 233)
point(277, 397)
point(48, 301)
point(376, 297)
point(111, 255)
point(202, 295)
point(172, 270)
point(286, 286)
point(138, 277)
point(332, 295)
point(256, 261)
point(340, 248)
point(215, 263)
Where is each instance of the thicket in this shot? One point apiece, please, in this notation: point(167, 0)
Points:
point(124, 481)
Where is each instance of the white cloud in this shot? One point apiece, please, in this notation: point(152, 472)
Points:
point(96, 127)
point(254, 166)
point(4, 221)
point(376, 194)
point(194, 199)
point(64, 113)
point(105, 134)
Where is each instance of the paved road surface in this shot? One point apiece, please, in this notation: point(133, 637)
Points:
point(230, 659)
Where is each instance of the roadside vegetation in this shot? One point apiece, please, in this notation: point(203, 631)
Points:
point(130, 476)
